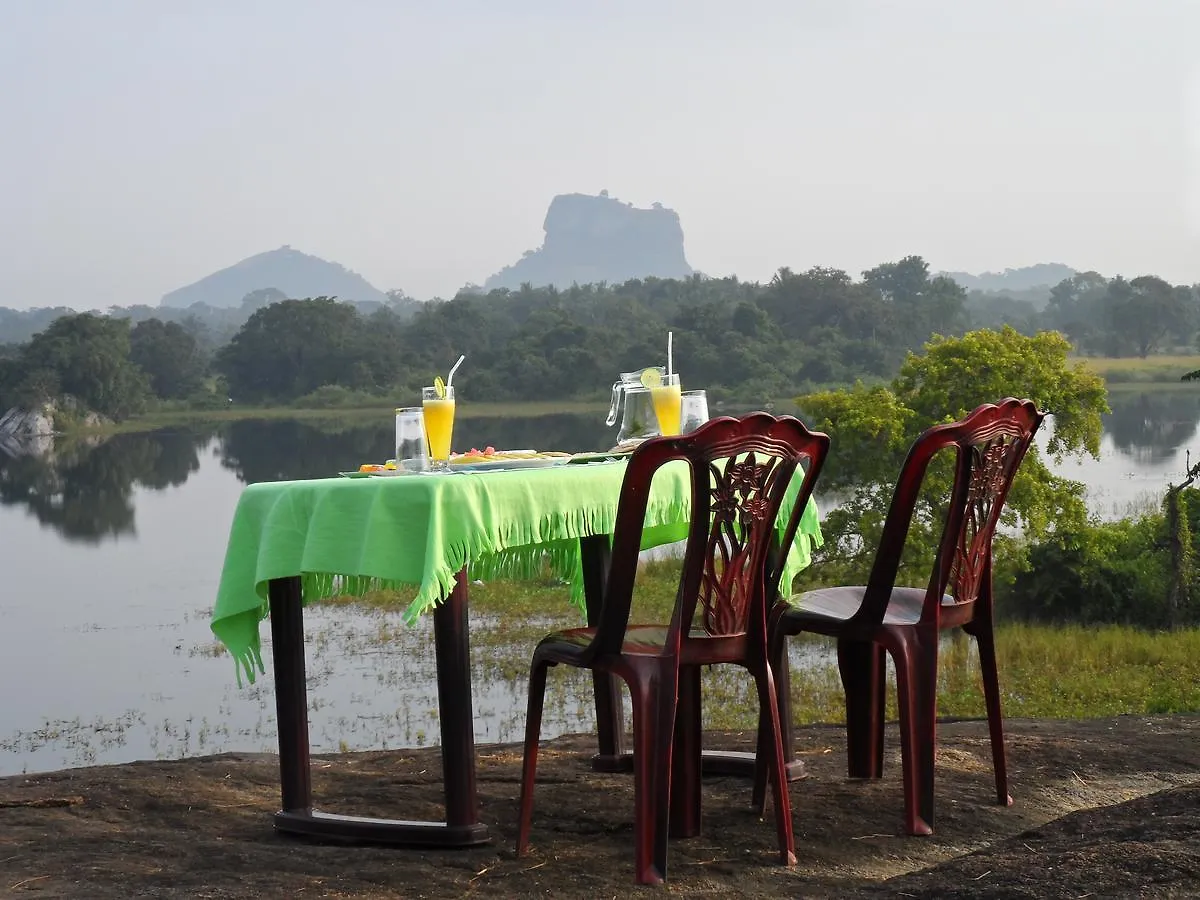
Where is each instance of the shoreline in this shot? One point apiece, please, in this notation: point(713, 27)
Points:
point(154, 421)
point(168, 418)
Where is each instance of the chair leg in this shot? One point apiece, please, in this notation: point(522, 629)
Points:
point(772, 756)
point(686, 758)
point(991, 691)
point(653, 701)
point(776, 653)
point(762, 752)
point(533, 731)
point(863, 668)
point(916, 682)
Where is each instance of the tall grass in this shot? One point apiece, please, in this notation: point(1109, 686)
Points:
point(379, 409)
point(1161, 369)
point(1045, 671)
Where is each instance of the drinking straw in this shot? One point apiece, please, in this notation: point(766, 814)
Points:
point(670, 369)
point(453, 369)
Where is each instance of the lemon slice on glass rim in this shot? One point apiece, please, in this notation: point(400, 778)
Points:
point(439, 387)
point(651, 378)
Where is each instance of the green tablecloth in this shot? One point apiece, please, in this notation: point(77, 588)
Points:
point(351, 535)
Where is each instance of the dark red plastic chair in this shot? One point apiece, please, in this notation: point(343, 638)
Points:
point(740, 472)
point(905, 621)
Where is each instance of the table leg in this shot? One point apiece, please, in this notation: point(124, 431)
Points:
point(452, 650)
point(596, 552)
point(291, 698)
point(462, 827)
point(734, 762)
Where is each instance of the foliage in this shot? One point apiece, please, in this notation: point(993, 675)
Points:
point(872, 429)
point(1108, 572)
point(169, 356)
point(84, 356)
point(746, 343)
point(289, 349)
point(1116, 317)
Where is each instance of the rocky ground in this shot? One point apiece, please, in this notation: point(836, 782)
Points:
point(1103, 808)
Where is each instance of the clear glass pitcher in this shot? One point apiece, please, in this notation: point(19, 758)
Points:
point(631, 401)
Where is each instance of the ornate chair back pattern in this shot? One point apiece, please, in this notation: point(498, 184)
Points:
point(745, 499)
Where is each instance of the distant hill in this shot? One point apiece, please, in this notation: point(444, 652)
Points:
point(593, 239)
point(288, 271)
point(1045, 275)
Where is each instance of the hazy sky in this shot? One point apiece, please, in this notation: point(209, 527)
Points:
point(147, 143)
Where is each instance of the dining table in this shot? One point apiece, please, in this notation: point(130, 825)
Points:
point(295, 542)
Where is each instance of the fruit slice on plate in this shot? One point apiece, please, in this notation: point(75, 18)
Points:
point(472, 457)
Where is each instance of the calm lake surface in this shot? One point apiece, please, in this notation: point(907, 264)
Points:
point(111, 554)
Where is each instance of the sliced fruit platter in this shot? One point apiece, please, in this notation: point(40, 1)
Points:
point(491, 458)
point(475, 461)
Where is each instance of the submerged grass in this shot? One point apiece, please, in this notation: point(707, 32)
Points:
point(1045, 671)
point(1164, 368)
point(374, 410)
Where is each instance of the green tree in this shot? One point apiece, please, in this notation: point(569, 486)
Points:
point(291, 348)
point(873, 427)
point(1075, 305)
point(169, 356)
point(84, 356)
point(920, 305)
point(1150, 312)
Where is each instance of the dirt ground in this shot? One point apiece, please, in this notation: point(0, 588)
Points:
point(1103, 808)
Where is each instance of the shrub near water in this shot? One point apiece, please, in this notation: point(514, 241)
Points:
point(1113, 572)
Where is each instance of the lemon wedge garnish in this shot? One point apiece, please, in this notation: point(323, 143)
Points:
point(651, 378)
point(440, 387)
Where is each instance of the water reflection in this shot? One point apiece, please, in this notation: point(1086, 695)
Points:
point(136, 673)
point(84, 490)
point(288, 449)
point(292, 449)
point(1150, 427)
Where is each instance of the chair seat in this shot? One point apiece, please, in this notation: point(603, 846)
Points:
point(835, 605)
point(639, 639)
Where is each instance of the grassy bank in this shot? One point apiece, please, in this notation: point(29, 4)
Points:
point(166, 418)
point(1165, 369)
point(1119, 374)
point(1045, 671)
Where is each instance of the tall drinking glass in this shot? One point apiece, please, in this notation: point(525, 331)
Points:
point(412, 450)
point(665, 399)
point(693, 410)
point(439, 425)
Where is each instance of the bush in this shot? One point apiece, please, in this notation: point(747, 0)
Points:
point(334, 396)
point(1112, 572)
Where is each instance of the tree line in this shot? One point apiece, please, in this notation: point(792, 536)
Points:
point(744, 341)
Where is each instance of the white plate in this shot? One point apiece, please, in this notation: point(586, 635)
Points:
point(497, 465)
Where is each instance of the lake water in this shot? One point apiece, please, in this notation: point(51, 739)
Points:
point(111, 555)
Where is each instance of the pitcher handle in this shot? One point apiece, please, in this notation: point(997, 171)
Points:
point(616, 402)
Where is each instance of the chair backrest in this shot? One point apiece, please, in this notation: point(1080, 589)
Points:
point(741, 472)
point(990, 444)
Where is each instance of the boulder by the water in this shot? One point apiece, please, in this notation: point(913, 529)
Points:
point(30, 432)
point(26, 432)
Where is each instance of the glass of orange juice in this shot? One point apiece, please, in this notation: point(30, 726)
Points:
point(666, 400)
point(438, 403)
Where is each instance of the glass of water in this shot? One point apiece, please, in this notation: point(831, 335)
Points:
point(412, 452)
point(693, 410)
